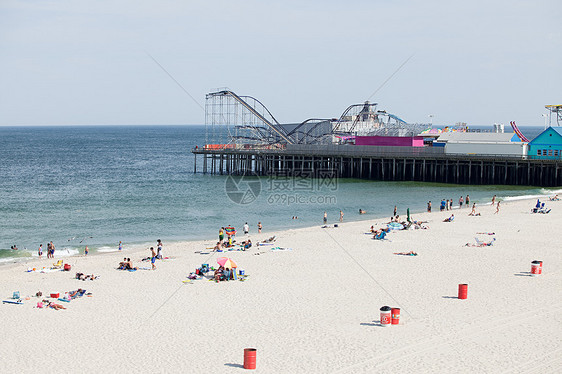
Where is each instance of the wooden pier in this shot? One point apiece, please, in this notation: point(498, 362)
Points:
point(373, 163)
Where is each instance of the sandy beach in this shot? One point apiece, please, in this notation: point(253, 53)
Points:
point(313, 308)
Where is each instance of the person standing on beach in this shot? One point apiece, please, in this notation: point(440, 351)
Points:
point(467, 201)
point(159, 246)
point(52, 250)
point(221, 235)
point(120, 245)
point(259, 227)
point(153, 258)
point(447, 204)
point(497, 208)
point(451, 204)
point(429, 207)
point(40, 250)
point(341, 215)
point(246, 228)
point(460, 202)
point(325, 217)
point(394, 214)
point(48, 250)
point(493, 200)
point(86, 251)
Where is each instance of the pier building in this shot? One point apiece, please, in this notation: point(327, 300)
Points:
point(548, 144)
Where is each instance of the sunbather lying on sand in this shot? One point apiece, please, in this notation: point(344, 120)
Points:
point(481, 244)
point(270, 240)
point(411, 253)
point(450, 219)
point(78, 293)
point(53, 305)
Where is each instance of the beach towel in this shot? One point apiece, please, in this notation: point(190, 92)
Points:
point(281, 249)
point(12, 302)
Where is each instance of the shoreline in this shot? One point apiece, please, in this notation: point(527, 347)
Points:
point(144, 246)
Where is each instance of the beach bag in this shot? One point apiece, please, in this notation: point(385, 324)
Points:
point(67, 267)
point(16, 295)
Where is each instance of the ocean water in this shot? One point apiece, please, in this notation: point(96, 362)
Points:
point(98, 185)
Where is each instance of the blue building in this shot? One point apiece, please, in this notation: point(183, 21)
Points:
point(548, 144)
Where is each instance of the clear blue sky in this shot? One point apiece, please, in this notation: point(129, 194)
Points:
point(85, 62)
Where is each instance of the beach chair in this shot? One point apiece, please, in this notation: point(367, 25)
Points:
point(58, 265)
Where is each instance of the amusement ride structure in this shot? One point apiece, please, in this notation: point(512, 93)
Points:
point(235, 121)
point(555, 110)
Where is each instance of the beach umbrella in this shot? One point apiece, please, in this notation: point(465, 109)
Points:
point(230, 230)
point(226, 262)
point(408, 215)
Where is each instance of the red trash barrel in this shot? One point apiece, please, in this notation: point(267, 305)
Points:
point(249, 358)
point(463, 291)
point(385, 315)
point(395, 313)
point(536, 268)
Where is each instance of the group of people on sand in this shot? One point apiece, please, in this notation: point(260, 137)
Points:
point(473, 211)
point(156, 255)
point(50, 250)
point(84, 277)
point(448, 204)
point(219, 247)
point(231, 234)
point(68, 296)
point(223, 274)
point(377, 232)
point(126, 264)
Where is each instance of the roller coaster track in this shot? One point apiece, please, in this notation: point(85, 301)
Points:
point(275, 127)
